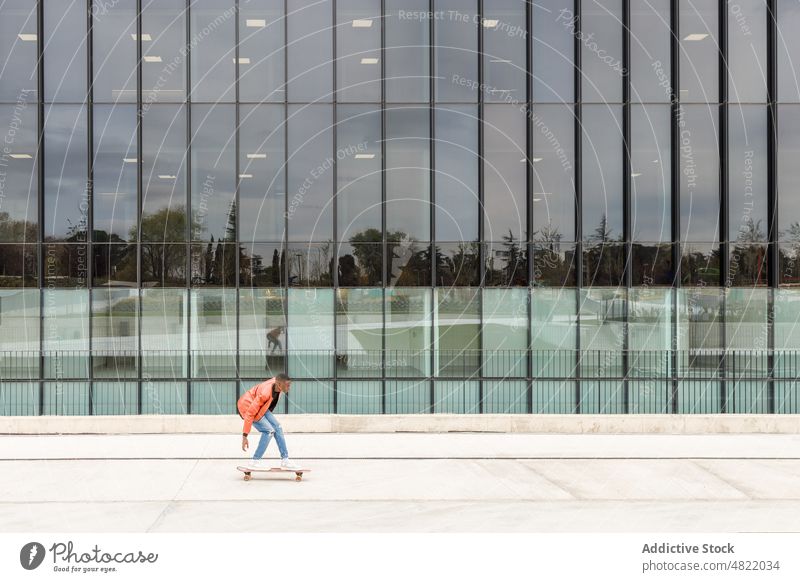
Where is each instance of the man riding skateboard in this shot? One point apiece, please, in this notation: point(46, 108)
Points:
point(255, 407)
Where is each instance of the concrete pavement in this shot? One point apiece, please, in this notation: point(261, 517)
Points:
point(404, 482)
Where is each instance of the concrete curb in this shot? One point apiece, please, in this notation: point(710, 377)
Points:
point(500, 423)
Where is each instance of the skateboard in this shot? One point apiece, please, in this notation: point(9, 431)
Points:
point(298, 473)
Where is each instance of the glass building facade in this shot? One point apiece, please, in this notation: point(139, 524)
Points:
point(410, 206)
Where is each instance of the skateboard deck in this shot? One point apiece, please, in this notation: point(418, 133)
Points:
point(248, 472)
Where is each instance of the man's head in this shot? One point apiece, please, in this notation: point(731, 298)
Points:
point(282, 382)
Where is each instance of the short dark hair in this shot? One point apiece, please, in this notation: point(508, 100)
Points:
point(283, 377)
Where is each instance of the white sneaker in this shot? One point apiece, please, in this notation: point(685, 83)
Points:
point(288, 464)
point(258, 464)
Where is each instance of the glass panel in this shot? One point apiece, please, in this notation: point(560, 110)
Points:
point(457, 199)
point(699, 185)
point(650, 51)
point(358, 48)
point(788, 129)
point(699, 48)
point(213, 57)
point(19, 399)
point(747, 333)
point(213, 265)
point(458, 264)
point(407, 51)
point(552, 160)
point(602, 397)
point(700, 264)
point(408, 263)
point(747, 173)
point(602, 173)
point(164, 55)
point(66, 398)
point(262, 332)
point(504, 47)
point(213, 172)
point(457, 332)
point(115, 398)
point(114, 172)
point(651, 163)
point(213, 397)
point(115, 333)
point(652, 264)
point(213, 338)
point(601, 51)
point(114, 51)
point(261, 265)
point(456, 50)
point(359, 397)
point(20, 187)
point(66, 265)
point(18, 51)
point(505, 397)
point(311, 397)
point(359, 333)
point(506, 263)
point(409, 317)
point(408, 396)
point(261, 40)
point(164, 174)
point(19, 334)
point(555, 265)
point(407, 175)
point(358, 173)
point(310, 176)
point(788, 45)
point(65, 329)
point(65, 51)
point(114, 265)
point(311, 265)
point(602, 329)
point(164, 333)
point(747, 51)
point(554, 397)
point(505, 333)
point(310, 50)
point(553, 47)
point(360, 264)
point(262, 181)
point(649, 336)
point(649, 396)
point(788, 257)
point(787, 333)
point(700, 339)
point(456, 397)
point(310, 335)
point(504, 173)
point(163, 265)
point(699, 397)
point(66, 195)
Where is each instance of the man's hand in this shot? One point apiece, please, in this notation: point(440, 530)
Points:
point(245, 444)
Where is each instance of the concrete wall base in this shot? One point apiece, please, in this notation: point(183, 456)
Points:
point(343, 423)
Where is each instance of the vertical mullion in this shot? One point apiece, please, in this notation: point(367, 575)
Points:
point(772, 197)
point(675, 173)
point(90, 192)
point(384, 246)
point(188, 228)
point(434, 252)
point(40, 183)
point(139, 195)
point(335, 170)
point(724, 235)
point(283, 263)
point(529, 199)
point(481, 208)
point(237, 209)
point(626, 196)
point(578, 201)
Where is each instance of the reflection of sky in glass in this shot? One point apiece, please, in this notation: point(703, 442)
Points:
point(650, 173)
point(310, 74)
point(18, 57)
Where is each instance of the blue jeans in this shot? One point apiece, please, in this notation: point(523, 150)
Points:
point(267, 425)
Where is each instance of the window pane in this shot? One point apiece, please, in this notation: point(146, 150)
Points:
point(504, 47)
point(213, 333)
point(213, 58)
point(649, 332)
point(213, 264)
point(18, 212)
point(601, 57)
point(359, 332)
point(360, 264)
point(456, 50)
point(261, 264)
point(651, 159)
point(554, 331)
point(457, 201)
point(114, 265)
point(788, 42)
point(114, 51)
point(115, 333)
point(407, 51)
point(788, 128)
point(66, 265)
point(650, 51)
point(114, 172)
point(504, 174)
point(408, 177)
point(457, 332)
point(65, 51)
point(409, 318)
point(699, 50)
point(261, 39)
point(553, 161)
point(505, 333)
point(311, 264)
point(358, 48)
point(164, 333)
point(262, 187)
point(747, 173)
point(19, 326)
point(310, 50)
point(602, 329)
point(262, 332)
point(747, 51)
point(19, 57)
point(602, 173)
point(164, 174)
point(699, 143)
point(699, 332)
point(358, 173)
point(164, 56)
point(310, 173)
point(65, 329)
point(310, 336)
point(66, 196)
point(213, 172)
point(457, 264)
point(163, 265)
point(553, 48)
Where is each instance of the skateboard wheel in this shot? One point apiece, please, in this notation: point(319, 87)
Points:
point(298, 476)
point(247, 476)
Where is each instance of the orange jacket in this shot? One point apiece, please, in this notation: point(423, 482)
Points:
point(255, 402)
